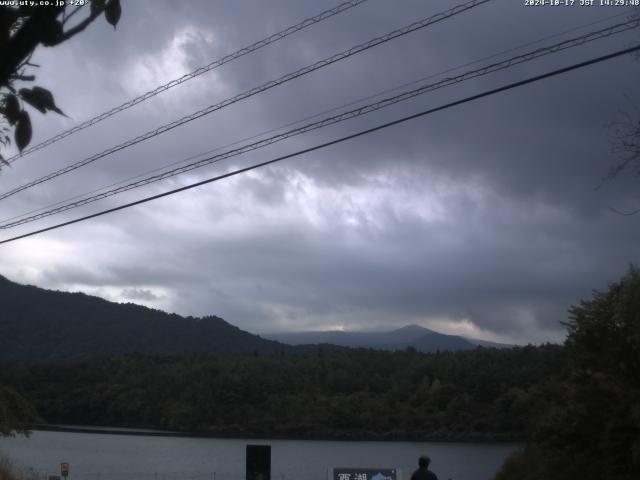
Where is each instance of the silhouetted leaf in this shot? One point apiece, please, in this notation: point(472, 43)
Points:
point(112, 12)
point(23, 130)
point(28, 96)
point(4, 161)
point(11, 109)
point(97, 6)
point(40, 98)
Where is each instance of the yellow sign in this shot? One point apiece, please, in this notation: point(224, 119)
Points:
point(64, 469)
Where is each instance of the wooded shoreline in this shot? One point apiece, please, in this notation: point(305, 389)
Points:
point(470, 396)
point(244, 435)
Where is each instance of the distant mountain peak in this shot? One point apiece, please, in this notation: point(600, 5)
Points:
point(415, 336)
point(413, 328)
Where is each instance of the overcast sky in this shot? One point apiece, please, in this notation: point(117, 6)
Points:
point(484, 220)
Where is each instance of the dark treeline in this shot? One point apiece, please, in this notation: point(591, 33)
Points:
point(479, 394)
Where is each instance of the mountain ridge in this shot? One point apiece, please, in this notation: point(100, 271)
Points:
point(37, 323)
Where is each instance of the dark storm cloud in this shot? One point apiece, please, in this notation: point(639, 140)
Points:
point(482, 219)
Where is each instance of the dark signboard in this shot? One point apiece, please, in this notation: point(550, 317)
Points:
point(364, 474)
point(258, 462)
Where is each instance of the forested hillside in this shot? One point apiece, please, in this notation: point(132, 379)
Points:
point(42, 324)
point(480, 394)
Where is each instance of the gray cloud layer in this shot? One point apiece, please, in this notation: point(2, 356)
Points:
point(482, 220)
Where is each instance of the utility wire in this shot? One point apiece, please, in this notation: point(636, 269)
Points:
point(266, 86)
point(207, 68)
point(363, 110)
point(319, 114)
point(487, 93)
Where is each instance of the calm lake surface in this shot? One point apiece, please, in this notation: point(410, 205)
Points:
point(126, 457)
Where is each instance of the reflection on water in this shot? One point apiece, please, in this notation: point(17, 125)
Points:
point(129, 457)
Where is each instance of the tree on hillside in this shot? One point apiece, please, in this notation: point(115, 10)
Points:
point(16, 413)
point(597, 434)
point(22, 29)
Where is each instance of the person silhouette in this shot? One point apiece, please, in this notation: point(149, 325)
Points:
point(423, 472)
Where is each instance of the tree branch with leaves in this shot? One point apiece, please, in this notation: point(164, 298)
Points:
point(624, 136)
point(22, 30)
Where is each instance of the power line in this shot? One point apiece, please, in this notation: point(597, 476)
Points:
point(199, 71)
point(266, 86)
point(363, 110)
point(336, 141)
point(319, 114)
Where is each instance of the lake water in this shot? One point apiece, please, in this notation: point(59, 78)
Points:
point(127, 457)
